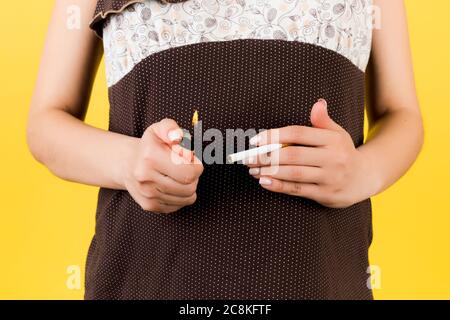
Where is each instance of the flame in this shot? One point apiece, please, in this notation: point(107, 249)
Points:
point(195, 118)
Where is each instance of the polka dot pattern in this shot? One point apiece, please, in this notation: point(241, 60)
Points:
point(238, 241)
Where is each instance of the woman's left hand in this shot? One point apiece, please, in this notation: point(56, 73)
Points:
point(322, 163)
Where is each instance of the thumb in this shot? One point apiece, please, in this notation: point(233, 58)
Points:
point(168, 131)
point(321, 119)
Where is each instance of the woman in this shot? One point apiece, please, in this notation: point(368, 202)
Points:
point(297, 228)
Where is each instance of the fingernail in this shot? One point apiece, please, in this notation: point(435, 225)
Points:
point(265, 181)
point(323, 101)
point(174, 135)
point(254, 171)
point(255, 140)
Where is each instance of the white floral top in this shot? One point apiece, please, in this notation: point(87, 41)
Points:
point(149, 26)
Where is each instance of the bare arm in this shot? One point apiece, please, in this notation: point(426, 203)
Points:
point(396, 130)
point(75, 151)
point(56, 133)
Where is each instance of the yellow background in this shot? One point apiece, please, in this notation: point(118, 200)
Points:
point(46, 223)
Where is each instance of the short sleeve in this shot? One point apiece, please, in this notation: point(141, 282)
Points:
point(106, 8)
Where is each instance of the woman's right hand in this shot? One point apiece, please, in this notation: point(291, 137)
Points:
point(74, 151)
point(158, 177)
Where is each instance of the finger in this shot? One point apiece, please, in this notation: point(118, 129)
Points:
point(169, 163)
point(170, 134)
point(170, 186)
point(148, 204)
point(167, 185)
point(184, 173)
point(321, 119)
point(152, 191)
point(303, 174)
point(156, 154)
point(183, 152)
point(292, 155)
point(178, 201)
point(154, 168)
point(301, 135)
point(168, 131)
point(306, 190)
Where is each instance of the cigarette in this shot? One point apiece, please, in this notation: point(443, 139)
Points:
point(240, 156)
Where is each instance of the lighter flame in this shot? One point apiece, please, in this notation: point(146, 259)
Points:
point(195, 118)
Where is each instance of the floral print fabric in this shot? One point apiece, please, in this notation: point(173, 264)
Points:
point(150, 26)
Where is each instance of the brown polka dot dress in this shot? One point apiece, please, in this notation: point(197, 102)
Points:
point(248, 64)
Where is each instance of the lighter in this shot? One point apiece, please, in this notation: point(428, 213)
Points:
point(187, 141)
